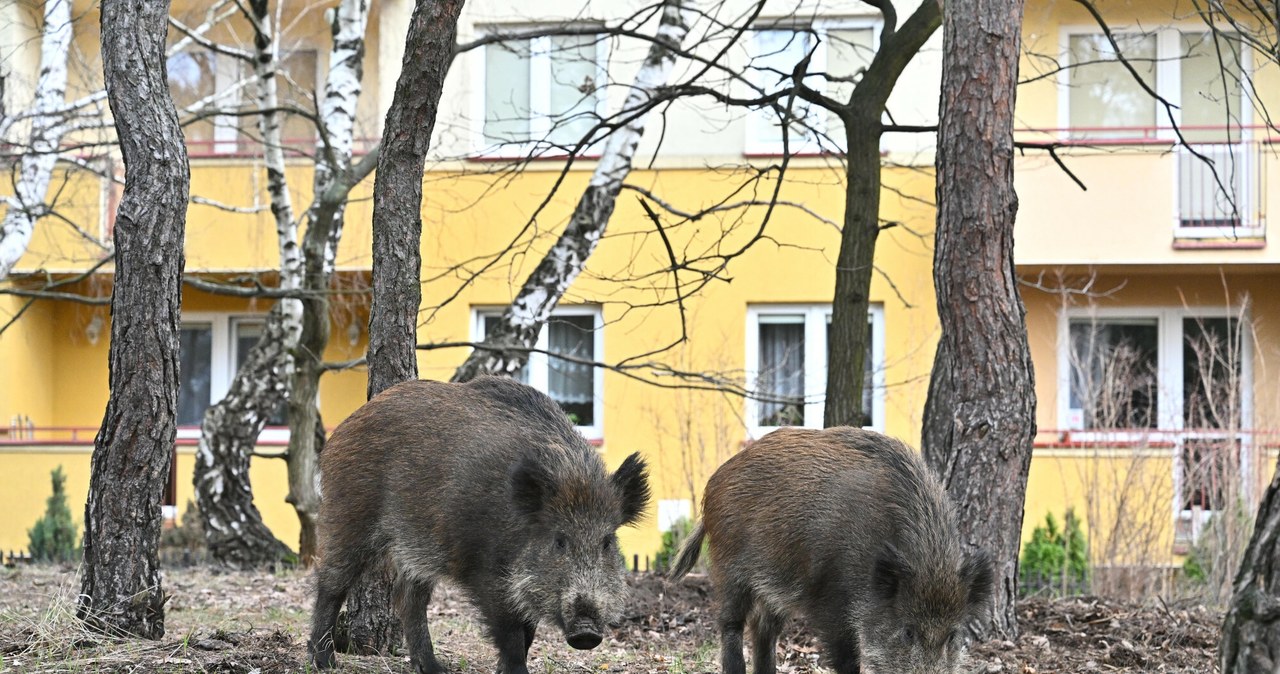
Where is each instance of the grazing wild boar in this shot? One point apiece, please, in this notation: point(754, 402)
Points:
point(487, 484)
point(851, 529)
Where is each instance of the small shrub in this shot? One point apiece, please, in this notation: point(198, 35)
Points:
point(1055, 557)
point(672, 539)
point(53, 538)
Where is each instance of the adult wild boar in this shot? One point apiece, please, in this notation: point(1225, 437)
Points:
point(850, 528)
point(487, 484)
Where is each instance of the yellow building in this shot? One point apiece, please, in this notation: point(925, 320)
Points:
point(1160, 261)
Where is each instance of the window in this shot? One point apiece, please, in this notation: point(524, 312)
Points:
point(211, 349)
point(571, 381)
point(1182, 375)
point(839, 54)
point(295, 87)
point(546, 90)
point(787, 366)
point(1105, 101)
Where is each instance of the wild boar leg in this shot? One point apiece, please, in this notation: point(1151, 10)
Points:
point(510, 634)
point(413, 615)
point(333, 580)
point(766, 626)
point(735, 603)
point(529, 629)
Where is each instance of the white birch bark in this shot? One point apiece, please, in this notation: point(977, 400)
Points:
point(47, 127)
point(331, 184)
point(233, 526)
point(532, 306)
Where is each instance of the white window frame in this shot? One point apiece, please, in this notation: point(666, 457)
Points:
point(540, 122)
point(222, 364)
point(539, 373)
point(1169, 391)
point(1169, 86)
point(764, 117)
point(816, 319)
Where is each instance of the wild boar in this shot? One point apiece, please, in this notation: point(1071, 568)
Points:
point(851, 529)
point(486, 484)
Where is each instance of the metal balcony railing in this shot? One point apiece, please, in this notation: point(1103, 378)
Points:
point(1222, 189)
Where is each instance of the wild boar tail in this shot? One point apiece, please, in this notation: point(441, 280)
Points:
point(689, 552)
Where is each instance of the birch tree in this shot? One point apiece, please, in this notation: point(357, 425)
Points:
point(234, 530)
point(542, 290)
point(46, 121)
point(980, 414)
point(120, 589)
point(282, 367)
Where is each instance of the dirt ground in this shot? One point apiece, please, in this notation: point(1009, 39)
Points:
point(255, 623)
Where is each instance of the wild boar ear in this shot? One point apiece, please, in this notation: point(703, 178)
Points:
point(530, 486)
point(977, 572)
point(632, 482)
point(889, 572)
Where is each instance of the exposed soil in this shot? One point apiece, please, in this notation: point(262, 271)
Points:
point(256, 623)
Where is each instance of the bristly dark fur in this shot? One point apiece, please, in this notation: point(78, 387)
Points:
point(849, 528)
point(487, 484)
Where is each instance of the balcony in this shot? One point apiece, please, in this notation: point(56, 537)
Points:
point(1146, 199)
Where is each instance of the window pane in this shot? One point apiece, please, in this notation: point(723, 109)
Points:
point(1211, 76)
point(776, 56)
point(572, 384)
point(192, 78)
point(506, 92)
point(1102, 91)
point(195, 353)
point(574, 89)
point(781, 371)
point(1114, 369)
point(248, 334)
point(489, 322)
point(1211, 370)
point(849, 51)
point(1210, 471)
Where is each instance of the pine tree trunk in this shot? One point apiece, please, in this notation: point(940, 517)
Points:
point(233, 526)
point(120, 587)
point(542, 291)
point(397, 261)
point(1251, 631)
point(980, 415)
point(855, 262)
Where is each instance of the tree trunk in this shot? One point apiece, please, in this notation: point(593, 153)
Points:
point(397, 261)
point(233, 527)
point(855, 263)
point(229, 432)
point(1251, 631)
point(41, 154)
point(980, 415)
point(542, 291)
point(332, 182)
point(120, 589)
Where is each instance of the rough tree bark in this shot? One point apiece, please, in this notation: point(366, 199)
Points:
point(980, 415)
point(233, 527)
point(397, 260)
point(46, 120)
point(120, 589)
point(334, 177)
point(856, 259)
point(1251, 631)
point(542, 291)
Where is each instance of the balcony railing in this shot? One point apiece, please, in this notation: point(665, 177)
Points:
point(1222, 189)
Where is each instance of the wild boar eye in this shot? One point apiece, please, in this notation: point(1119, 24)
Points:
point(908, 635)
point(562, 543)
point(605, 545)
